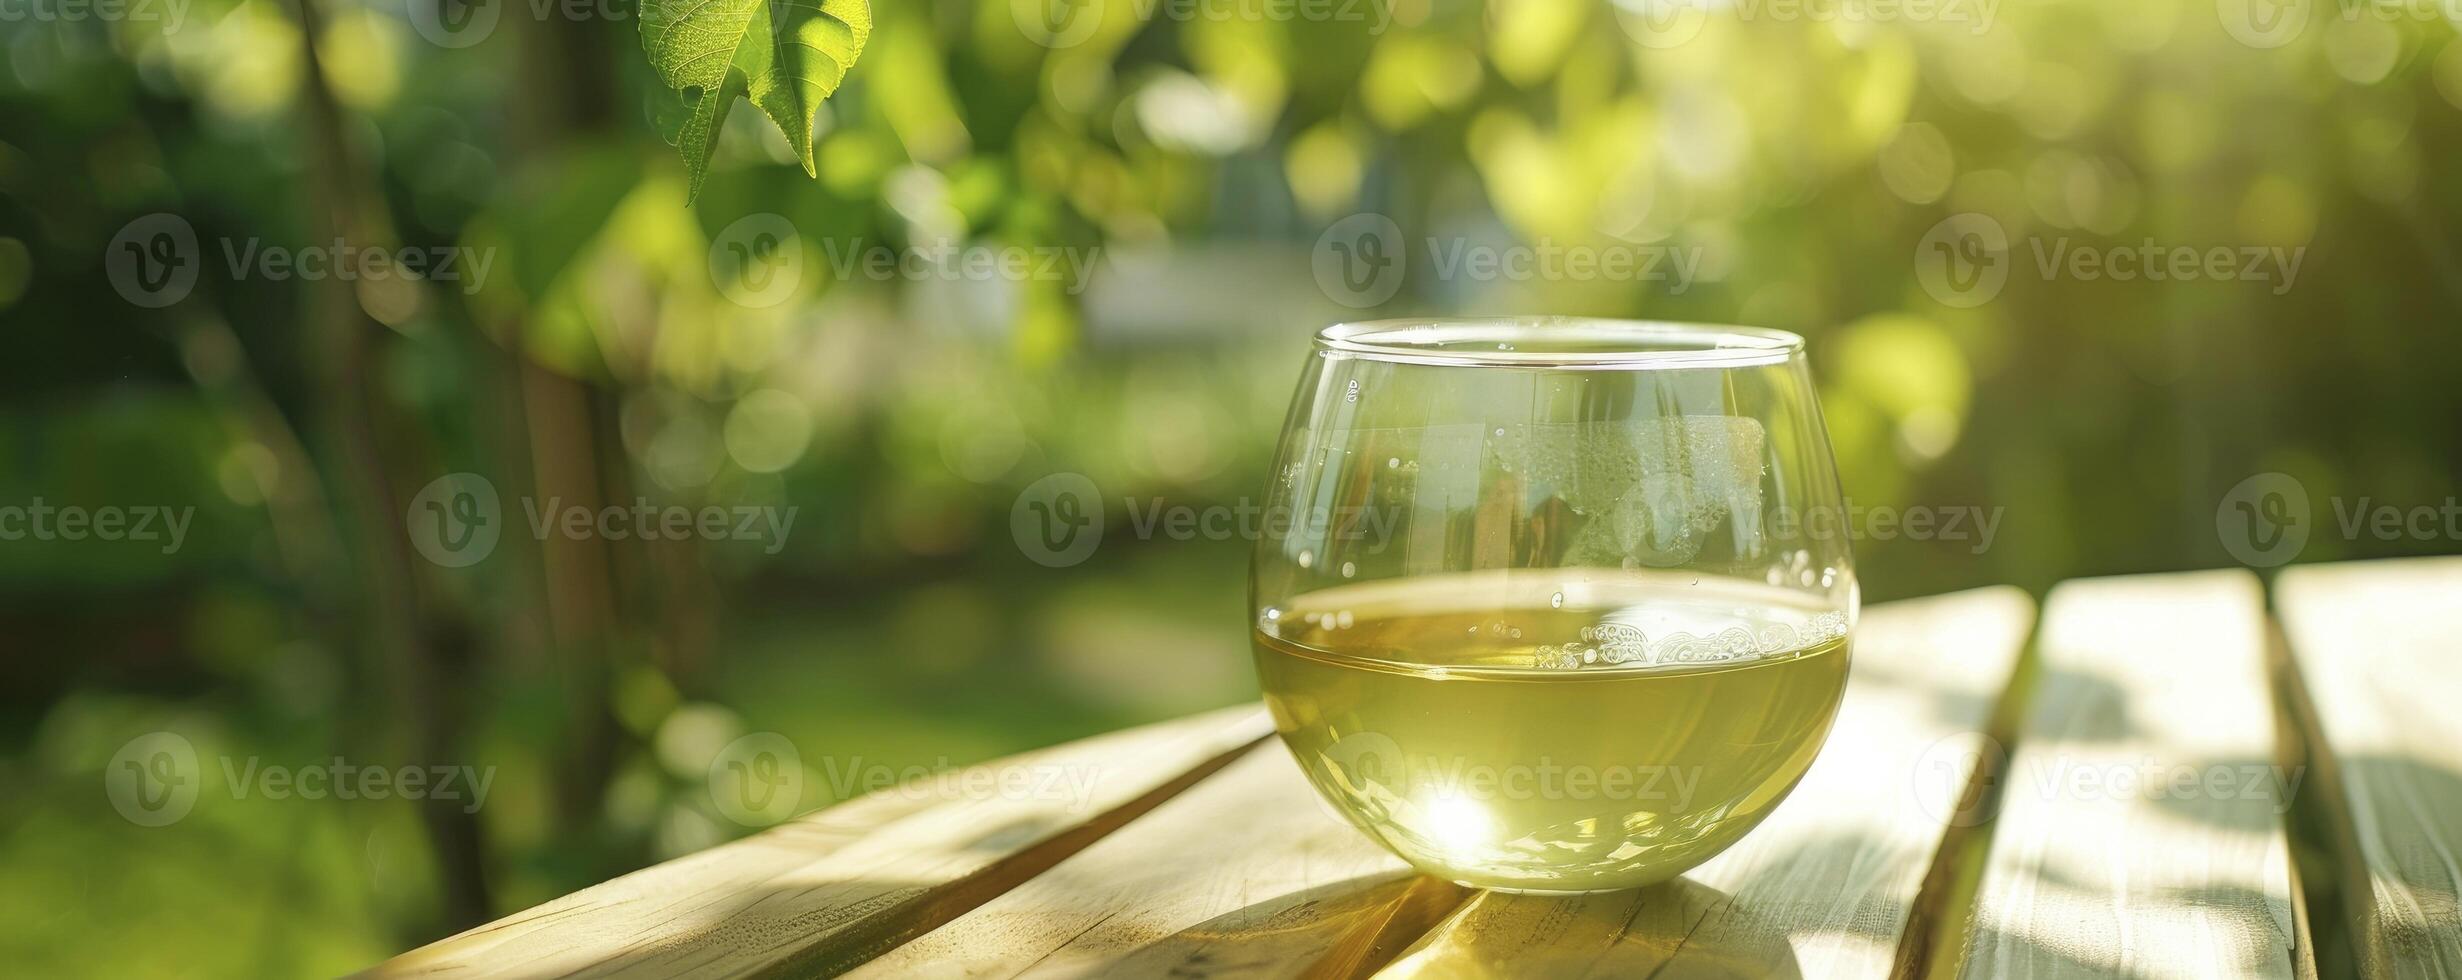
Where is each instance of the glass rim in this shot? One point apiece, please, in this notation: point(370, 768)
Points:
point(1559, 342)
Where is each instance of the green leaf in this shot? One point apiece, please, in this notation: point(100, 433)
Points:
point(784, 55)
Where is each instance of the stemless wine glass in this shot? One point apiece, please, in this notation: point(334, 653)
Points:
point(1549, 604)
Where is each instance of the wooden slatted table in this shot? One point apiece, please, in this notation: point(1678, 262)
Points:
point(2123, 801)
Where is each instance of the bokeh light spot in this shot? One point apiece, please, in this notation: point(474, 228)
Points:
point(768, 430)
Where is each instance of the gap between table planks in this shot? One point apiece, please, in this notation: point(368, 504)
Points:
point(2378, 657)
point(2102, 862)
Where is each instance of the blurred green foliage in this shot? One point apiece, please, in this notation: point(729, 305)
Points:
point(1803, 160)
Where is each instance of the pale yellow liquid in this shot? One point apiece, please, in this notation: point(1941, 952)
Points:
point(1551, 735)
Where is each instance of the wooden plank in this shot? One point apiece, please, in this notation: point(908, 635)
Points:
point(2378, 652)
point(831, 888)
point(2141, 824)
point(1824, 887)
point(1247, 874)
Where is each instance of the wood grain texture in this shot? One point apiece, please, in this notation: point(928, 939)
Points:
point(831, 885)
point(1825, 886)
point(1246, 874)
point(2141, 824)
point(2376, 646)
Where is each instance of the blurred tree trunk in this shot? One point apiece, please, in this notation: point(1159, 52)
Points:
point(565, 89)
point(581, 602)
point(415, 652)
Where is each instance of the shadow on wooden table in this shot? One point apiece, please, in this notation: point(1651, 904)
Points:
point(1414, 925)
point(1343, 929)
point(2104, 705)
point(1654, 930)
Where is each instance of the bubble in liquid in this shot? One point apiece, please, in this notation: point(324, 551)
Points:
point(1556, 601)
point(1344, 620)
point(1349, 569)
point(1307, 559)
point(1393, 462)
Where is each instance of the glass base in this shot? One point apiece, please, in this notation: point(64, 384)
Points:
point(1547, 892)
